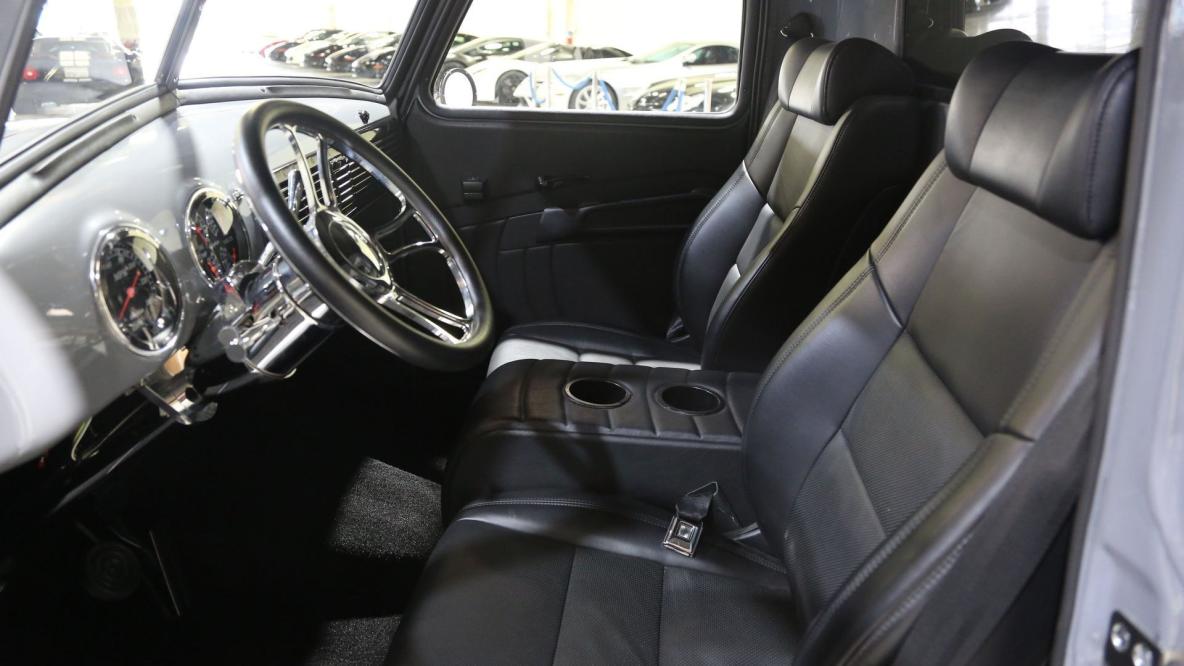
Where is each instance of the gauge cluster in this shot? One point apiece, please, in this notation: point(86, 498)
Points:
point(137, 286)
point(216, 234)
point(137, 289)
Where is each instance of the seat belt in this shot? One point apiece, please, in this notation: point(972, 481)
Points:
point(690, 517)
point(1008, 544)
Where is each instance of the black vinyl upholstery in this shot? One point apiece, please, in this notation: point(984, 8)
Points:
point(571, 341)
point(525, 433)
point(534, 580)
point(886, 426)
point(832, 160)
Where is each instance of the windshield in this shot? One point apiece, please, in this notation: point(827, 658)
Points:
point(83, 54)
point(665, 53)
point(338, 40)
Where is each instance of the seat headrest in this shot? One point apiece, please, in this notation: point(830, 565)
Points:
point(1046, 130)
point(822, 79)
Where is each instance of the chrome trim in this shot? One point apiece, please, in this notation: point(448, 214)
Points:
point(232, 202)
point(163, 264)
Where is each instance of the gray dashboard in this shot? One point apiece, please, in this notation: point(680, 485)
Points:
point(46, 259)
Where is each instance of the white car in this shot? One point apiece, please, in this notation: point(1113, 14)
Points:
point(617, 85)
point(295, 55)
point(497, 79)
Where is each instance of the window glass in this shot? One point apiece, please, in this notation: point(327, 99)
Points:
point(603, 55)
point(1108, 26)
point(83, 54)
point(943, 36)
point(1104, 26)
point(340, 39)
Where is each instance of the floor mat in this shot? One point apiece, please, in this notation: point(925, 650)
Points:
point(354, 641)
point(387, 514)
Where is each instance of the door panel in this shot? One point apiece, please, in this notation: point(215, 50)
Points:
point(578, 219)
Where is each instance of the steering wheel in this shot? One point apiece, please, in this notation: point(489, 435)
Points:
point(343, 263)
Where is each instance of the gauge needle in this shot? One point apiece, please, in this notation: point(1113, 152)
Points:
point(128, 295)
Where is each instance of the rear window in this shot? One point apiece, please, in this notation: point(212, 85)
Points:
point(942, 36)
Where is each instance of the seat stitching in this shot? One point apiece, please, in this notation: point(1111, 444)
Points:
point(830, 68)
point(766, 133)
point(522, 415)
point(661, 610)
point(888, 547)
point(859, 475)
point(1096, 142)
point(513, 332)
point(931, 580)
point(814, 323)
point(533, 427)
point(562, 400)
point(699, 224)
point(924, 194)
point(730, 547)
point(933, 370)
point(1062, 328)
point(728, 376)
point(563, 607)
point(645, 400)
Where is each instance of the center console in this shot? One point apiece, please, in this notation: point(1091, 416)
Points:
point(647, 433)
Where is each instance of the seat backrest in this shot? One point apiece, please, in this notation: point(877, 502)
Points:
point(832, 160)
point(890, 419)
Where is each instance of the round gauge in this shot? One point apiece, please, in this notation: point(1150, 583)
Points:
point(137, 289)
point(217, 235)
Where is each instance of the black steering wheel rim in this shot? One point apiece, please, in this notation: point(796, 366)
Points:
point(327, 278)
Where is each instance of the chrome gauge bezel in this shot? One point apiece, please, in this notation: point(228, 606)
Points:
point(202, 194)
point(168, 273)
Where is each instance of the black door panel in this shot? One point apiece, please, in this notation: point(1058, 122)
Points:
point(608, 264)
point(578, 219)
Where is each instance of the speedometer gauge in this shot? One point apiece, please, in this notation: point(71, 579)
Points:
point(217, 236)
point(137, 289)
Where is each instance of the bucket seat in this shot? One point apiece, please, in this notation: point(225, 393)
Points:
point(832, 160)
point(886, 427)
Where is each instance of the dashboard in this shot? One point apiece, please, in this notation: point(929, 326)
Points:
point(118, 271)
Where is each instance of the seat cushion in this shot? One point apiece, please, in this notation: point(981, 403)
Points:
point(582, 579)
point(571, 341)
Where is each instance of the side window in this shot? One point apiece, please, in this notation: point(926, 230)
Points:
point(580, 56)
point(703, 56)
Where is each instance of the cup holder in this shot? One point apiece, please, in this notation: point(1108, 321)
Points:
point(597, 393)
point(690, 399)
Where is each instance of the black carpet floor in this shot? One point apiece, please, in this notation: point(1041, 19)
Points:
point(293, 525)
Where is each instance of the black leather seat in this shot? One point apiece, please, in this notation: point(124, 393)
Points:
point(832, 160)
point(886, 427)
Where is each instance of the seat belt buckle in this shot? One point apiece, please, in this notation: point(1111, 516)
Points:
point(682, 536)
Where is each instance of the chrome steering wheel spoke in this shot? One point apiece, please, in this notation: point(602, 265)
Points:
point(317, 188)
point(436, 321)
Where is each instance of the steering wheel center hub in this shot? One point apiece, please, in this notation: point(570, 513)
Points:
point(353, 250)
